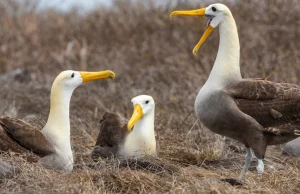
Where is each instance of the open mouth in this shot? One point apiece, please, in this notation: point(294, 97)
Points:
point(208, 23)
point(200, 13)
point(210, 18)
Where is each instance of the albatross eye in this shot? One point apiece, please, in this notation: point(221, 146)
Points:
point(147, 102)
point(72, 75)
point(214, 9)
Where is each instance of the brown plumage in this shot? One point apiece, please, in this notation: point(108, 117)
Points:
point(258, 113)
point(53, 143)
point(255, 112)
point(111, 136)
point(21, 137)
point(132, 139)
point(275, 106)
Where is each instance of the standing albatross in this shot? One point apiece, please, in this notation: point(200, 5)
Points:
point(134, 139)
point(255, 112)
point(52, 143)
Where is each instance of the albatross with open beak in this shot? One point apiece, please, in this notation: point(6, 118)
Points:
point(52, 144)
point(255, 112)
point(134, 139)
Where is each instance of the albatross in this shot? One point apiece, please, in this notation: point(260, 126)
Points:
point(255, 112)
point(126, 140)
point(52, 144)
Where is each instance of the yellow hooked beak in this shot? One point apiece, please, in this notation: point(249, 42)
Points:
point(136, 115)
point(197, 12)
point(90, 76)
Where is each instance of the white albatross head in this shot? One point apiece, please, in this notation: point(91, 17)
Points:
point(70, 79)
point(57, 128)
point(140, 140)
point(216, 13)
point(62, 88)
point(143, 106)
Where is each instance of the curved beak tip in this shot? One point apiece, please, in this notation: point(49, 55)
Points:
point(171, 15)
point(112, 75)
point(129, 128)
point(195, 50)
point(136, 116)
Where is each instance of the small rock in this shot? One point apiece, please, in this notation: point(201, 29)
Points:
point(7, 170)
point(292, 148)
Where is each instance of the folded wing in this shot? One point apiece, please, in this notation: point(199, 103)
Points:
point(24, 136)
point(111, 135)
point(273, 105)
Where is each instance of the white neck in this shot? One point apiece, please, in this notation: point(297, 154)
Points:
point(145, 126)
point(226, 69)
point(141, 140)
point(57, 128)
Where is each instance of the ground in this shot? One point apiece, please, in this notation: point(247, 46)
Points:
point(150, 55)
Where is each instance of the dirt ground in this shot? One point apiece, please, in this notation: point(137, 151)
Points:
point(150, 55)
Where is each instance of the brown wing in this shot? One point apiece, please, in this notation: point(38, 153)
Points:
point(111, 136)
point(9, 144)
point(282, 134)
point(271, 104)
point(112, 130)
point(287, 129)
point(26, 135)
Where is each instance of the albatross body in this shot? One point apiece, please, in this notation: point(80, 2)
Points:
point(133, 139)
point(51, 145)
point(255, 112)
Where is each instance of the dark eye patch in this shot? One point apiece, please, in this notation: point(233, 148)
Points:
point(72, 75)
point(214, 9)
point(147, 102)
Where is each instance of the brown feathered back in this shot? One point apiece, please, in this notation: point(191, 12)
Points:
point(24, 134)
point(111, 136)
point(270, 104)
point(112, 130)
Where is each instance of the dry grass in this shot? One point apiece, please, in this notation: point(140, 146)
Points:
point(150, 55)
